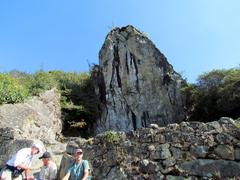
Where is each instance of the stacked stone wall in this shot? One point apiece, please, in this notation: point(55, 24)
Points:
point(189, 150)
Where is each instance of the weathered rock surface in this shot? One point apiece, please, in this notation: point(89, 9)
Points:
point(189, 150)
point(135, 83)
point(38, 119)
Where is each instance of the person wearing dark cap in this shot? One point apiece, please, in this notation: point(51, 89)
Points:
point(19, 163)
point(49, 168)
point(80, 169)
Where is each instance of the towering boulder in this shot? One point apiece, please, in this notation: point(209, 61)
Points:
point(135, 83)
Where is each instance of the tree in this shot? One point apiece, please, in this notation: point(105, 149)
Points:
point(216, 94)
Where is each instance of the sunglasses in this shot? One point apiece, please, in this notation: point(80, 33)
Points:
point(78, 152)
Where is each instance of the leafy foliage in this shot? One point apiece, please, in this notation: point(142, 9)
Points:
point(11, 91)
point(237, 121)
point(216, 94)
point(41, 81)
point(112, 137)
point(78, 100)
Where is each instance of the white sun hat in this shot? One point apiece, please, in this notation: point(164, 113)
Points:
point(38, 146)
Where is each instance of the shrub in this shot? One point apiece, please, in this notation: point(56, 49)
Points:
point(78, 101)
point(40, 82)
point(216, 94)
point(112, 137)
point(237, 121)
point(25, 79)
point(11, 91)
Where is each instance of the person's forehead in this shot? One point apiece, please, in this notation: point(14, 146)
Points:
point(78, 150)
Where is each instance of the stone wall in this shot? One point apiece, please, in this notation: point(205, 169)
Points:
point(189, 150)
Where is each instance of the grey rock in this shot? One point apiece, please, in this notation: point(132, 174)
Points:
point(237, 154)
point(162, 152)
point(214, 127)
point(176, 152)
point(213, 168)
point(199, 151)
point(225, 151)
point(224, 138)
point(135, 83)
point(147, 166)
point(37, 118)
point(169, 162)
point(169, 177)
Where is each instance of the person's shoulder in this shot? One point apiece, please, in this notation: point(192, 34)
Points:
point(24, 150)
point(53, 165)
point(85, 161)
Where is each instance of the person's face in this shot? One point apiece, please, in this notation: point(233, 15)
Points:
point(45, 161)
point(78, 156)
point(34, 150)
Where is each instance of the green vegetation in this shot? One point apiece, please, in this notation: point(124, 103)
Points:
point(238, 122)
point(113, 142)
point(216, 94)
point(11, 91)
point(42, 81)
point(112, 137)
point(78, 101)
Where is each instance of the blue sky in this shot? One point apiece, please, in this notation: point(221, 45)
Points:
point(196, 36)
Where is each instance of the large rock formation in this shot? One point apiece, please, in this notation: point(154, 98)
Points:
point(136, 84)
point(189, 150)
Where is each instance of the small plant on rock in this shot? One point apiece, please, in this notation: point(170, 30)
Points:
point(112, 137)
point(237, 121)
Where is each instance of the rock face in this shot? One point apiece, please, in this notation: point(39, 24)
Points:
point(189, 150)
point(136, 84)
point(38, 119)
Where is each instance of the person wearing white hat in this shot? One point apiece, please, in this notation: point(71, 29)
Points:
point(19, 163)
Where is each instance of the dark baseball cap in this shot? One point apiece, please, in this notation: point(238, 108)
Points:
point(45, 155)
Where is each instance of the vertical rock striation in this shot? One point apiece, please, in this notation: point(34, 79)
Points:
point(135, 83)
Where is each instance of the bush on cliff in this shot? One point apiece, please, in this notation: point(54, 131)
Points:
point(41, 81)
point(11, 90)
point(78, 102)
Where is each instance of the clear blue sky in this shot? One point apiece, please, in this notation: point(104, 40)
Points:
point(195, 35)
